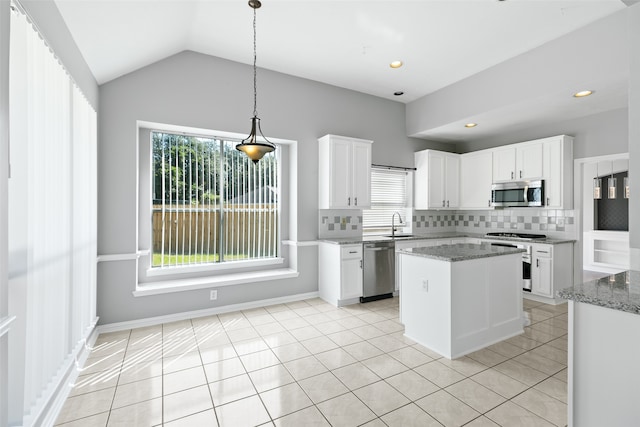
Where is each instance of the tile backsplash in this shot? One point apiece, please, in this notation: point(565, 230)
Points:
point(339, 223)
point(553, 223)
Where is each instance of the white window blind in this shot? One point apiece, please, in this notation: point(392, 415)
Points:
point(52, 223)
point(388, 195)
point(211, 204)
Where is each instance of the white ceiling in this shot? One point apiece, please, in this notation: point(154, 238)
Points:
point(343, 43)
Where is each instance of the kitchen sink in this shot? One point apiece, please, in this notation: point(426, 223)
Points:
point(401, 236)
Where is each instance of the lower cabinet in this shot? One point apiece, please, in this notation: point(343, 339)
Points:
point(551, 268)
point(340, 273)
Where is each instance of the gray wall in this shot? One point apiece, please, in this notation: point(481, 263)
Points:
point(195, 90)
point(595, 135)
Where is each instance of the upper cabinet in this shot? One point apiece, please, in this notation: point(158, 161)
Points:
point(557, 171)
point(344, 173)
point(476, 179)
point(518, 162)
point(437, 180)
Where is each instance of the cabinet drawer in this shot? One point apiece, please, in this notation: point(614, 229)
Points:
point(351, 252)
point(542, 253)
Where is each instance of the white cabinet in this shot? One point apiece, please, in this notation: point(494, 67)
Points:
point(518, 162)
point(551, 269)
point(557, 172)
point(344, 173)
point(437, 180)
point(340, 273)
point(476, 179)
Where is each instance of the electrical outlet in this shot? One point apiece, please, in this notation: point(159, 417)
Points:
point(213, 295)
point(425, 285)
point(343, 220)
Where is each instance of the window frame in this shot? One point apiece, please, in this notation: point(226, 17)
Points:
point(148, 274)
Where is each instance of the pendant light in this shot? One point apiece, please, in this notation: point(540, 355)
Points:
point(626, 186)
point(597, 185)
point(612, 183)
point(253, 148)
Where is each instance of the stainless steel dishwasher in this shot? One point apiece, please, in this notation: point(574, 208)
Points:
point(379, 271)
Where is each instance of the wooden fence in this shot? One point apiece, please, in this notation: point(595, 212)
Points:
point(249, 230)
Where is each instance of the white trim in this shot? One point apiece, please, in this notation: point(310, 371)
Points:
point(302, 243)
point(118, 257)
point(61, 385)
point(5, 325)
point(151, 321)
point(169, 286)
point(211, 267)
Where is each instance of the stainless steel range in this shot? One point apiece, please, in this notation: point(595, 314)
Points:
point(526, 256)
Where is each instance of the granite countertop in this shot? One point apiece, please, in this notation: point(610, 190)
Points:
point(399, 237)
point(618, 292)
point(547, 241)
point(461, 251)
point(448, 235)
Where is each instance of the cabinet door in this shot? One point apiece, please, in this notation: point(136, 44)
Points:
point(541, 275)
point(504, 162)
point(351, 278)
point(552, 173)
point(436, 178)
point(340, 196)
point(452, 181)
point(476, 180)
point(361, 175)
point(529, 161)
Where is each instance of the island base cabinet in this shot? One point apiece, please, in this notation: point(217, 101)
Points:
point(603, 373)
point(455, 308)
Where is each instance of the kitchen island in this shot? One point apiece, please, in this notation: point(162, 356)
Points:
point(604, 351)
point(456, 299)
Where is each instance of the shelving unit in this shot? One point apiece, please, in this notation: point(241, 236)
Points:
point(606, 251)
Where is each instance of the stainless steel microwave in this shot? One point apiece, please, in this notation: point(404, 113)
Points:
point(518, 194)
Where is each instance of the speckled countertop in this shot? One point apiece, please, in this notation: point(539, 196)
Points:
point(449, 235)
point(460, 251)
point(618, 291)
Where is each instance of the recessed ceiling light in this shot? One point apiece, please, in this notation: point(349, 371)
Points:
point(582, 93)
point(398, 93)
point(471, 125)
point(396, 64)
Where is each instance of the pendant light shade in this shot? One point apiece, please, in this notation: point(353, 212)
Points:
point(612, 184)
point(626, 187)
point(597, 186)
point(255, 149)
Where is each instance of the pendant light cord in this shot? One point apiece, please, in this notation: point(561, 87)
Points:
point(255, 57)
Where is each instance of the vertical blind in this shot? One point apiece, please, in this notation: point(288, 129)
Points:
point(52, 222)
point(388, 195)
point(211, 204)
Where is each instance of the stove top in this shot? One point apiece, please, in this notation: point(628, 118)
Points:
point(523, 236)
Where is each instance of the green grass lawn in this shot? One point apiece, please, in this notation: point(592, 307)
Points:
point(169, 259)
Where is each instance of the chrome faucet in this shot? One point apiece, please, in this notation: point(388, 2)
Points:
point(393, 225)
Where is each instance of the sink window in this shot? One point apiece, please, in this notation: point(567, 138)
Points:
point(390, 189)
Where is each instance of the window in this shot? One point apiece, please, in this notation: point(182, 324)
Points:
point(389, 194)
point(210, 203)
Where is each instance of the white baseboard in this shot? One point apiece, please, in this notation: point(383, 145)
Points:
point(151, 321)
point(61, 385)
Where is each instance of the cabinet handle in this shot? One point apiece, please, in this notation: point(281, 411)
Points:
point(360, 263)
point(443, 203)
point(353, 252)
point(447, 203)
point(512, 175)
point(356, 199)
point(537, 263)
point(547, 201)
point(348, 201)
point(520, 174)
point(489, 203)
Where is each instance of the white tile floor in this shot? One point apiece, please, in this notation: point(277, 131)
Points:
point(310, 364)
